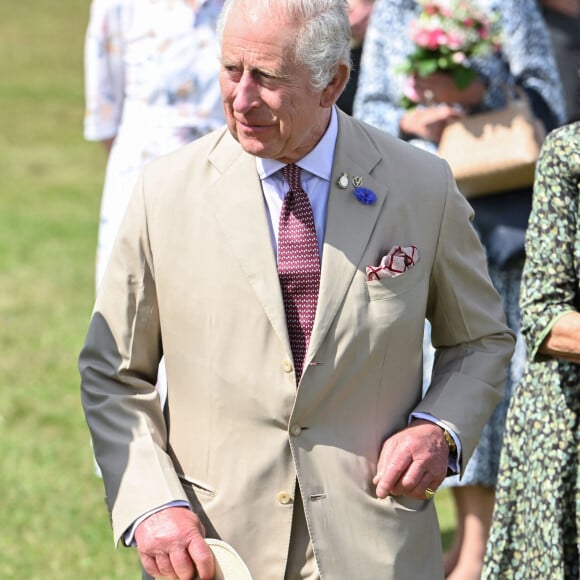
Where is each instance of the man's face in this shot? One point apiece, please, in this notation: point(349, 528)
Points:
point(269, 105)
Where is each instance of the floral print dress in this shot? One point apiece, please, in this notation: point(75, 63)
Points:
point(151, 82)
point(526, 58)
point(535, 531)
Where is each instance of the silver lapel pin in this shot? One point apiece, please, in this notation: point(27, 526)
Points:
point(343, 181)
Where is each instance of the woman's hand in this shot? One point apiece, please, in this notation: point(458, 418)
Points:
point(428, 123)
point(563, 341)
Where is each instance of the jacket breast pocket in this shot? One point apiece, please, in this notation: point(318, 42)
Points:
point(388, 288)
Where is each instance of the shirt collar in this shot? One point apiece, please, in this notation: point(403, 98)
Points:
point(318, 161)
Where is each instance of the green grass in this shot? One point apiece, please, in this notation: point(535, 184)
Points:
point(54, 520)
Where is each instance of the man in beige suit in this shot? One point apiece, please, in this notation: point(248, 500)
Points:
point(312, 464)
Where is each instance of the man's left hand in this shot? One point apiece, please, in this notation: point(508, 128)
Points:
point(412, 460)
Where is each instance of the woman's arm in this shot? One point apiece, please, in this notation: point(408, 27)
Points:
point(549, 292)
point(104, 71)
point(563, 341)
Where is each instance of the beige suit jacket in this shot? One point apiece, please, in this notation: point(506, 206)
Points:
point(193, 277)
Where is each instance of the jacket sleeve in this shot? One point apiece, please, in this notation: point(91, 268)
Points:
point(118, 366)
point(468, 328)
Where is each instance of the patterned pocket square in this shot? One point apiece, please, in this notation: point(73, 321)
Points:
point(396, 262)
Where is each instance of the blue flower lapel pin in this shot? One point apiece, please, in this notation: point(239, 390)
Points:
point(365, 196)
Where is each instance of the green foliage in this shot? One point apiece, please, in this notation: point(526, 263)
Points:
point(54, 519)
point(425, 62)
point(463, 76)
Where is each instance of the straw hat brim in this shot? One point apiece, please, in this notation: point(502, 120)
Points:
point(228, 563)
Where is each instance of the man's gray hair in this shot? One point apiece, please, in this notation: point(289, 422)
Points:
point(323, 40)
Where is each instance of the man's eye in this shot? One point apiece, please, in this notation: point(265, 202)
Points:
point(269, 78)
point(233, 71)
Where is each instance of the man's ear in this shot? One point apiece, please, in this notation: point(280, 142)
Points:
point(334, 89)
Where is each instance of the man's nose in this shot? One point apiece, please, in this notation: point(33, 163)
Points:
point(246, 93)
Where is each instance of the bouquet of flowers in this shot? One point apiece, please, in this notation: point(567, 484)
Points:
point(447, 34)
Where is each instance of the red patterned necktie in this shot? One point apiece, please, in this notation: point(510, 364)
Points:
point(298, 265)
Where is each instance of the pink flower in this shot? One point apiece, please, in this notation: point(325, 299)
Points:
point(430, 39)
point(420, 36)
point(410, 91)
point(454, 40)
point(431, 9)
point(442, 38)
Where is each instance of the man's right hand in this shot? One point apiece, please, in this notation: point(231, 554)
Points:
point(171, 545)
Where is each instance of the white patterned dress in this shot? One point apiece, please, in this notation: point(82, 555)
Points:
point(151, 81)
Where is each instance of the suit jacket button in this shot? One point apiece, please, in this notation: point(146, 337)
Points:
point(287, 366)
point(283, 497)
point(295, 430)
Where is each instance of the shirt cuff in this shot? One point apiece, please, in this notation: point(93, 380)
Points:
point(454, 459)
point(129, 535)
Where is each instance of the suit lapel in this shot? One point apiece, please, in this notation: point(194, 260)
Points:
point(349, 224)
point(239, 206)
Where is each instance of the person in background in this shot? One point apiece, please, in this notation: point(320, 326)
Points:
point(535, 531)
point(359, 13)
point(151, 85)
point(284, 266)
point(563, 21)
point(526, 60)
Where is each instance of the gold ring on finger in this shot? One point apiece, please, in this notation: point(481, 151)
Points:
point(429, 493)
